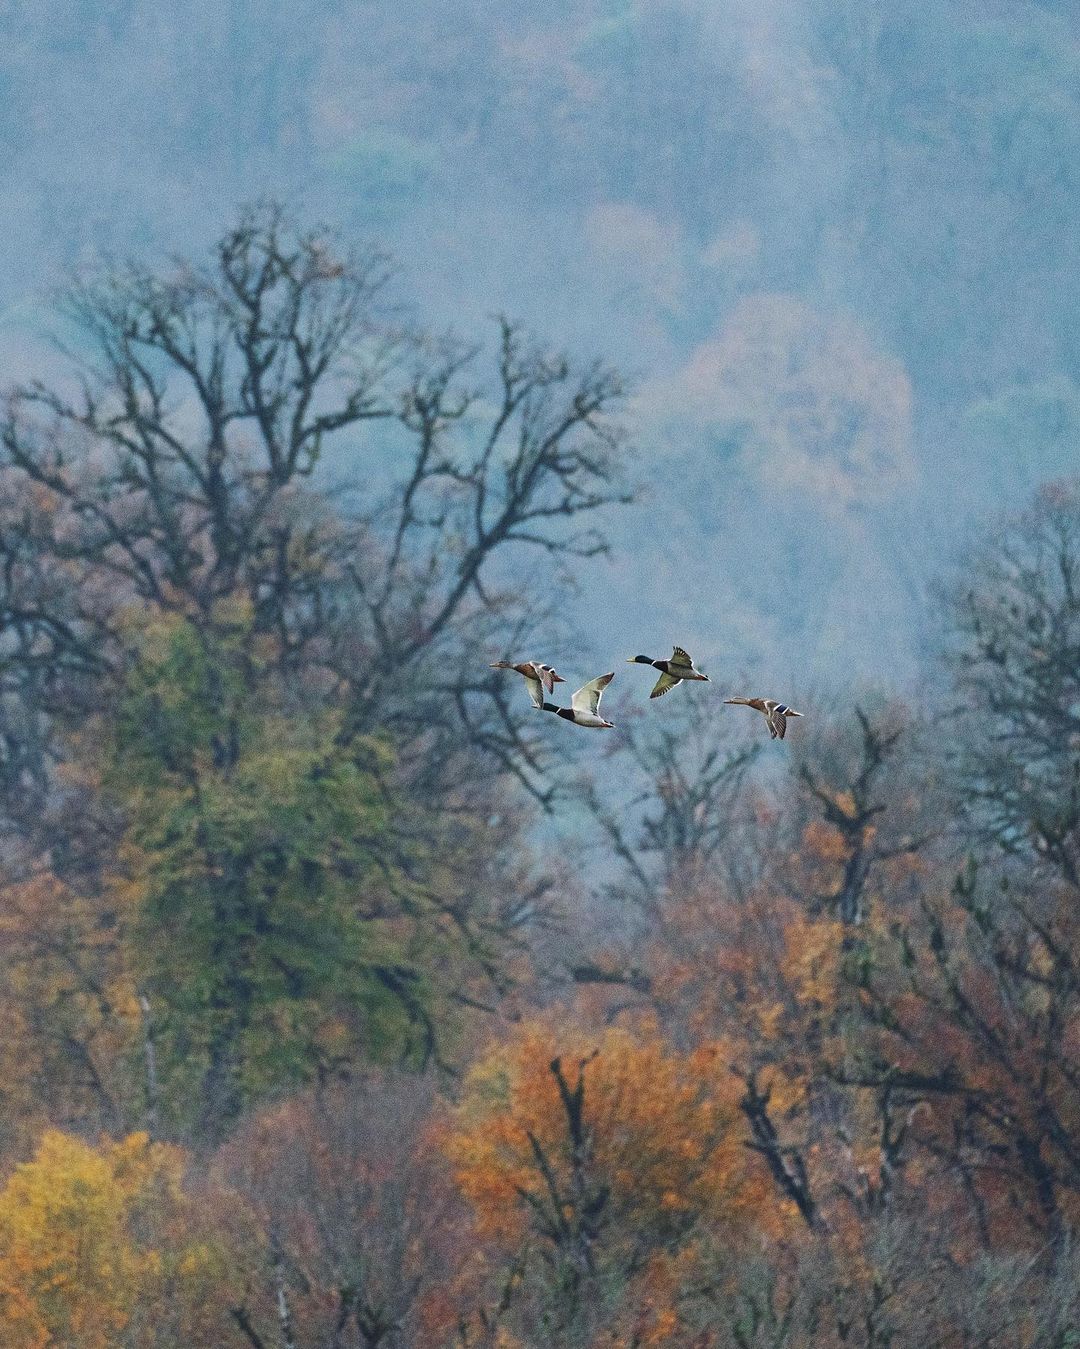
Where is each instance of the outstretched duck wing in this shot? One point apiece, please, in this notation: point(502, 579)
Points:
point(777, 722)
point(680, 657)
point(664, 684)
point(536, 690)
point(587, 698)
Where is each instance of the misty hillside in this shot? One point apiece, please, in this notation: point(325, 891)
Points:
point(836, 250)
point(366, 984)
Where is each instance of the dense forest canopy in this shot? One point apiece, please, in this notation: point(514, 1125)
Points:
point(314, 1037)
point(350, 1002)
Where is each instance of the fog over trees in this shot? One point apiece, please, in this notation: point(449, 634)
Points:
point(348, 1002)
point(831, 241)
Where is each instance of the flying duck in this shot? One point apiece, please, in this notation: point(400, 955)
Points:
point(585, 704)
point(673, 671)
point(776, 714)
point(538, 677)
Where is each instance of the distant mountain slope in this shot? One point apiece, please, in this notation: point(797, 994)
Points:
point(833, 240)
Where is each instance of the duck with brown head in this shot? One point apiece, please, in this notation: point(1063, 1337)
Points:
point(776, 714)
point(537, 675)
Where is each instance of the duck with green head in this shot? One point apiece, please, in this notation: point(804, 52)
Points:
point(584, 709)
point(672, 671)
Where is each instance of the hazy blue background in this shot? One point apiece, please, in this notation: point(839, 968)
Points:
point(835, 242)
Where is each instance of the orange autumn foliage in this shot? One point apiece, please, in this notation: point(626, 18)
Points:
point(663, 1129)
point(760, 975)
point(649, 1315)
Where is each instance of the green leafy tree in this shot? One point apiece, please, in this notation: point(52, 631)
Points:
point(274, 898)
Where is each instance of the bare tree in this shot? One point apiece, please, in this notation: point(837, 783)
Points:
point(361, 1219)
point(186, 464)
point(674, 826)
point(260, 449)
point(970, 998)
point(861, 795)
point(1016, 661)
